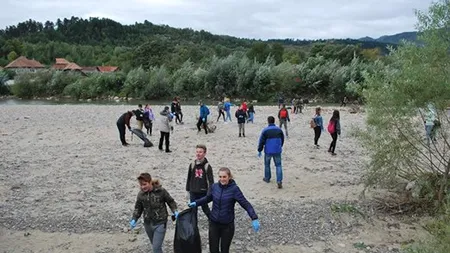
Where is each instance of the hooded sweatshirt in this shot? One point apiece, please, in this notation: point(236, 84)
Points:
point(199, 178)
point(153, 204)
point(165, 121)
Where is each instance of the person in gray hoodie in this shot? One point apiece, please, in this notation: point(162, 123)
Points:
point(165, 127)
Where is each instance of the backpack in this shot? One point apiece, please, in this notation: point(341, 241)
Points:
point(332, 126)
point(283, 114)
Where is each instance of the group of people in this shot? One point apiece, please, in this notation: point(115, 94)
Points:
point(152, 200)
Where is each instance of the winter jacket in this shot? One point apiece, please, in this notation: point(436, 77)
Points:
point(283, 118)
point(227, 106)
point(251, 108)
point(204, 112)
point(271, 140)
point(149, 114)
point(139, 114)
point(153, 205)
point(224, 198)
point(241, 116)
point(165, 121)
point(319, 121)
point(199, 178)
point(125, 119)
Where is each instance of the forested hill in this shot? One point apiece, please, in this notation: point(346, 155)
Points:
point(101, 41)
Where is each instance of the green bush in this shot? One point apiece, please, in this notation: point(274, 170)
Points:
point(32, 84)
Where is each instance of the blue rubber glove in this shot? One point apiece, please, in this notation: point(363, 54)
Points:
point(255, 224)
point(259, 154)
point(192, 204)
point(132, 224)
point(203, 119)
point(176, 214)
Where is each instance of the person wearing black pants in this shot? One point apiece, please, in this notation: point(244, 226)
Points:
point(318, 126)
point(224, 196)
point(335, 130)
point(203, 117)
point(165, 128)
point(122, 122)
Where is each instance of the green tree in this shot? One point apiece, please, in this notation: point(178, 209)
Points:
point(12, 56)
point(398, 97)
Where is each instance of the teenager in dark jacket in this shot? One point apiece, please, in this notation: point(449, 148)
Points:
point(334, 131)
point(241, 116)
point(124, 120)
point(200, 177)
point(151, 201)
point(251, 112)
point(175, 108)
point(224, 196)
point(139, 113)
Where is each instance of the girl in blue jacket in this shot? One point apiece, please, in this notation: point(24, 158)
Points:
point(317, 126)
point(224, 196)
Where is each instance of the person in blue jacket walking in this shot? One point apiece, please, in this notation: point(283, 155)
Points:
point(203, 118)
point(227, 109)
point(317, 125)
point(224, 195)
point(272, 140)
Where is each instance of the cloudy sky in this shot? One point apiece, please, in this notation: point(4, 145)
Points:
point(264, 19)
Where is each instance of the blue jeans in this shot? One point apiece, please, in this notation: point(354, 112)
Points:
point(228, 115)
point(250, 117)
point(279, 170)
point(156, 234)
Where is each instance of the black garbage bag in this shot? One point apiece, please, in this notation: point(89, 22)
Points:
point(187, 237)
point(138, 132)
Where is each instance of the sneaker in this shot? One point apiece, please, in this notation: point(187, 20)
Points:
point(280, 185)
point(333, 154)
point(125, 144)
point(160, 149)
point(239, 135)
point(329, 151)
point(168, 151)
point(266, 180)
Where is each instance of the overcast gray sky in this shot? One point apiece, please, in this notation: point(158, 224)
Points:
point(264, 19)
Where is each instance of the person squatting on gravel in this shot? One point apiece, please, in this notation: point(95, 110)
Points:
point(122, 121)
point(334, 128)
point(241, 116)
point(224, 195)
point(272, 140)
point(203, 117)
point(283, 117)
point(165, 128)
point(200, 177)
point(151, 201)
point(317, 125)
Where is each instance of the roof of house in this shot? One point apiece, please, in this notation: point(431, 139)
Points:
point(61, 61)
point(72, 66)
point(23, 62)
point(94, 68)
point(107, 68)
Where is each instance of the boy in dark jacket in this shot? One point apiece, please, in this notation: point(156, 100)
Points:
point(200, 177)
point(241, 116)
point(152, 201)
point(124, 120)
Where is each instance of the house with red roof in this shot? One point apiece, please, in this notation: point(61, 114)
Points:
point(23, 64)
point(64, 65)
point(107, 69)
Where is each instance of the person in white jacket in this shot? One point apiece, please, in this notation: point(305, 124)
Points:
point(430, 119)
point(165, 127)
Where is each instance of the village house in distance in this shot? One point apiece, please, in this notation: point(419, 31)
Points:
point(23, 64)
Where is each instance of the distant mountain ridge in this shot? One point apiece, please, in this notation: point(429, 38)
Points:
point(393, 39)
